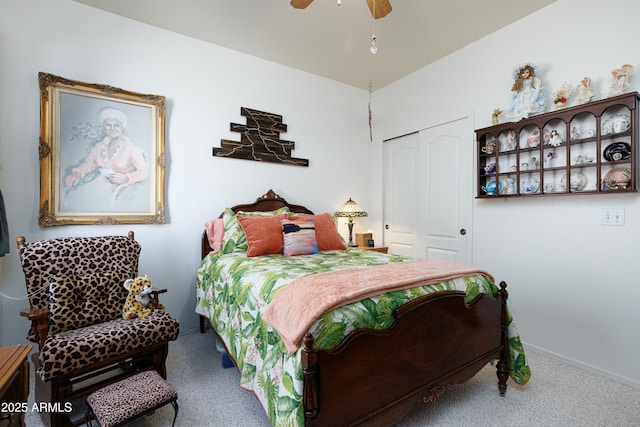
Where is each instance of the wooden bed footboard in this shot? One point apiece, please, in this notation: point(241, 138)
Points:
point(376, 377)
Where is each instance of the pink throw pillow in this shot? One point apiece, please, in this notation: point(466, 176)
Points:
point(215, 233)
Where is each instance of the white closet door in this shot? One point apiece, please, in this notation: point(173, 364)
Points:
point(400, 196)
point(428, 192)
point(446, 191)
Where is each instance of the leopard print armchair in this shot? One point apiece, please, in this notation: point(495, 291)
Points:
point(76, 295)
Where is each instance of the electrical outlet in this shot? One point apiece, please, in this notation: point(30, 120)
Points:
point(612, 216)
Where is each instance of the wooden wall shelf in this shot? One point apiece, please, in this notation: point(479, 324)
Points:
point(596, 152)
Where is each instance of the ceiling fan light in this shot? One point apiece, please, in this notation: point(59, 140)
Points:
point(373, 49)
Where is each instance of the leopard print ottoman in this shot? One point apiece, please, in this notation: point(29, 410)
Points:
point(131, 398)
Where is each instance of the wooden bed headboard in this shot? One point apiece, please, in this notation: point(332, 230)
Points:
point(269, 201)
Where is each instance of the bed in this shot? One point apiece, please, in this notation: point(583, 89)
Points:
point(406, 330)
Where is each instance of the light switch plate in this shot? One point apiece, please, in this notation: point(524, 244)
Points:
point(612, 216)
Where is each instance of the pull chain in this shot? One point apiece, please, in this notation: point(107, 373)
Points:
point(370, 114)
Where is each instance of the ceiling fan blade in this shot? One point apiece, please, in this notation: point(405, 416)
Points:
point(382, 9)
point(300, 4)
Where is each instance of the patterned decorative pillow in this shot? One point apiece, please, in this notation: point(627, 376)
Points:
point(326, 232)
point(235, 240)
point(76, 301)
point(299, 236)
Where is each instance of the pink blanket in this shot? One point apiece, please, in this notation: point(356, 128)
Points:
point(298, 305)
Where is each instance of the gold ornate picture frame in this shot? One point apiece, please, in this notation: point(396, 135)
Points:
point(101, 150)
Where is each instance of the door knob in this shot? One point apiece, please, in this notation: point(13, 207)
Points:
point(463, 231)
point(386, 226)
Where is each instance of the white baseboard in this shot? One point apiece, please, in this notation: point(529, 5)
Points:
point(586, 367)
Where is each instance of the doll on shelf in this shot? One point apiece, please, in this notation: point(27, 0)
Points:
point(509, 141)
point(555, 139)
point(620, 81)
point(548, 159)
point(583, 91)
point(527, 96)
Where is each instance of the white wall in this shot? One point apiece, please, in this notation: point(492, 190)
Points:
point(205, 86)
point(573, 283)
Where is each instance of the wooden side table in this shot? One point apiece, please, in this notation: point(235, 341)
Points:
point(383, 249)
point(14, 384)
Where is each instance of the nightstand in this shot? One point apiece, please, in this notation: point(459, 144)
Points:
point(14, 383)
point(382, 249)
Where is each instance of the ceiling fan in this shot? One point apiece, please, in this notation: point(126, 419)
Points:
point(378, 8)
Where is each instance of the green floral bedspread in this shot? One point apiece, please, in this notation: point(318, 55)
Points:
point(233, 291)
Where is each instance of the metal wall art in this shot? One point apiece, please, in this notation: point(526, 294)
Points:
point(259, 140)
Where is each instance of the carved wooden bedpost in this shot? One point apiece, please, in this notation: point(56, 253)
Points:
point(309, 370)
point(503, 363)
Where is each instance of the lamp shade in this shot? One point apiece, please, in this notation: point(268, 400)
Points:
point(350, 209)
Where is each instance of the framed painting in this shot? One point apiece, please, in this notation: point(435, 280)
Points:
point(101, 150)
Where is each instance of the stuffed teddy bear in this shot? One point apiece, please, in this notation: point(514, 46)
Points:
point(138, 302)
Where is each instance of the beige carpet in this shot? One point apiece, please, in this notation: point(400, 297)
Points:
point(557, 395)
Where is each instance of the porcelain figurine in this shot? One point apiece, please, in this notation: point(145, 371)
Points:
point(620, 81)
point(548, 159)
point(583, 91)
point(555, 139)
point(562, 95)
point(509, 141)
point(495, 116)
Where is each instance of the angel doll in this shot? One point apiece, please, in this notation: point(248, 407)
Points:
point(527, 95)
point(555, 139)
point(620, 81)
point(583, 91)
